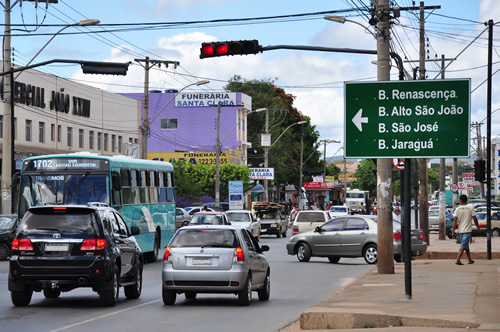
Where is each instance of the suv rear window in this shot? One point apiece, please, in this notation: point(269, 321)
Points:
point(205, 238)
point(74, 223)
point(310, 216)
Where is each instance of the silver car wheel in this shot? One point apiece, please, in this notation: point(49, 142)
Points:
point(371, 254)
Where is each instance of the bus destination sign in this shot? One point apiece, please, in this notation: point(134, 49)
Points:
point(54, 164)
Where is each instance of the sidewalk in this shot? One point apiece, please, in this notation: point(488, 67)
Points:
point(444, 296)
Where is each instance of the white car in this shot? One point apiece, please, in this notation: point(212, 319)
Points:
point(308, 220)
point(247, 219)
point(338, 210)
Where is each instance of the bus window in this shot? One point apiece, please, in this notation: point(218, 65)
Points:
point(153, 189)
point(162, 190)
point(126, 190)
point(134, 183)
point(116, 191)
point(144, 188)
point(170, 189)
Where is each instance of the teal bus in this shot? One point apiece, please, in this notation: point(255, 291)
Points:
point(141, 190)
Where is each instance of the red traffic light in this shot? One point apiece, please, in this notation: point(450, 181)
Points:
point(239, 47)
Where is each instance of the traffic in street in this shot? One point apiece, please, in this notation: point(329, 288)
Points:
point(294, 288)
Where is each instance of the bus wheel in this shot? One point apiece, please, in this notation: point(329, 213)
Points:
point(152, 256)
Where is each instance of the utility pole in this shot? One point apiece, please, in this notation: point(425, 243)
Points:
point(300, 170)
point(148, 64)
point(424, 195)
point(217, 159)
point(266, 157)
point(385, 246)
point(442, 189)
point(479, 152)
point(8, 121)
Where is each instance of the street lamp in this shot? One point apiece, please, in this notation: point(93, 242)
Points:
point(301, 149)
point(146, 122)
point(8, 163)
point(341, 19)
point(81, 24)
point(284, 131)
point(218, 148)
point(326, 141)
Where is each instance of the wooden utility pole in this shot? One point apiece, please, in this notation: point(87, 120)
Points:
point(148, 64)
point(217, 159)
point(423, 187)
point(442, 188)
point(385, 248)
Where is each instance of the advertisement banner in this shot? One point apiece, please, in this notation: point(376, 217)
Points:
point(235, 195)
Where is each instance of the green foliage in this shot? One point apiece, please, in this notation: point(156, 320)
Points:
point(333, 170)
point(366, 178)
point(284, 155)
point(193, 181)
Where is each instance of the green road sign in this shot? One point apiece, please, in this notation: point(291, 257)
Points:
point(407, 119)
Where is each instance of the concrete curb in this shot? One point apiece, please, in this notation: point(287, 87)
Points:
point(320, 318)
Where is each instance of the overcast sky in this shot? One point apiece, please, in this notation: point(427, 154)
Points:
point(174, 30)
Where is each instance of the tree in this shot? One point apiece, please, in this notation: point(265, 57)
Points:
point(333, 170)
point(284, 156)
point(194, 181)
point(365, 177)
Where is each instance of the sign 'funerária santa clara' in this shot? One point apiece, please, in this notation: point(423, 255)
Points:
point(407, 119)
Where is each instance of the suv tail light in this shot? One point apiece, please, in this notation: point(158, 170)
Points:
point(22, 245)
point(396, 235)
point(421, 236)
point(239, 255)
point(167, 256)
point(295, 229)
point(93, 244)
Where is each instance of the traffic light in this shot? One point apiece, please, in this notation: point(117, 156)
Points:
point(479, 170)
point(237, 47)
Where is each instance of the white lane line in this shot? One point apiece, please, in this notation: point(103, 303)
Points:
point(103, 316)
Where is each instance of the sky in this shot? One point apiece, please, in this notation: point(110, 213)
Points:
point(174, 30)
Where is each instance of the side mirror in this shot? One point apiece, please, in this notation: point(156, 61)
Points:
point(264, 248)
point(135, 230)
point(318, 229)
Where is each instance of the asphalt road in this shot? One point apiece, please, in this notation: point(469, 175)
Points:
point(295, 287)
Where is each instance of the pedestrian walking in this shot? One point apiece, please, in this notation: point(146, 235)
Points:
point(464, 215)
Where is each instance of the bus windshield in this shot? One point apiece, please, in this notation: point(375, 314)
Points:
point(56, 188)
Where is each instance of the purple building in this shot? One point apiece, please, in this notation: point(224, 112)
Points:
point(184, 125)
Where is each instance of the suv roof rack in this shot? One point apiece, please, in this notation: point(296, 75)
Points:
point(97, 204)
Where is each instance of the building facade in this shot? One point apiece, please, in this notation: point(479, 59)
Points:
point(183, 126)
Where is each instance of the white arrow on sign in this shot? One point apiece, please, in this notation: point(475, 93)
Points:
point(358, 120)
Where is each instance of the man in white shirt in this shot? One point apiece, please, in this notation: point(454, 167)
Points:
point(464, 215)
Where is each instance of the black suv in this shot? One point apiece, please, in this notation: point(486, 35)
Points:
point(59, 248)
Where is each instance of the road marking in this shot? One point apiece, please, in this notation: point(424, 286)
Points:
point(103, 316)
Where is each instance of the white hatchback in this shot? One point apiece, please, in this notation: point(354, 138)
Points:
point(247, 219)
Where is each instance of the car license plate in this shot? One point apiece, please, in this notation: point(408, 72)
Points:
point(56, 247)
point(274, 225)
point(202, 261)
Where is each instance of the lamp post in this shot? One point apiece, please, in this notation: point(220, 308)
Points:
point(218, 143)
point(8, 162)
point(341, 19)
point(301, 152)
point(81, 24)
point(146, 122)
point(325, 142)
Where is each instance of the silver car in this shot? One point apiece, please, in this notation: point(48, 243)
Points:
point(247, 219)
point(350, 236)
point(182, 218)
point(215, 259)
